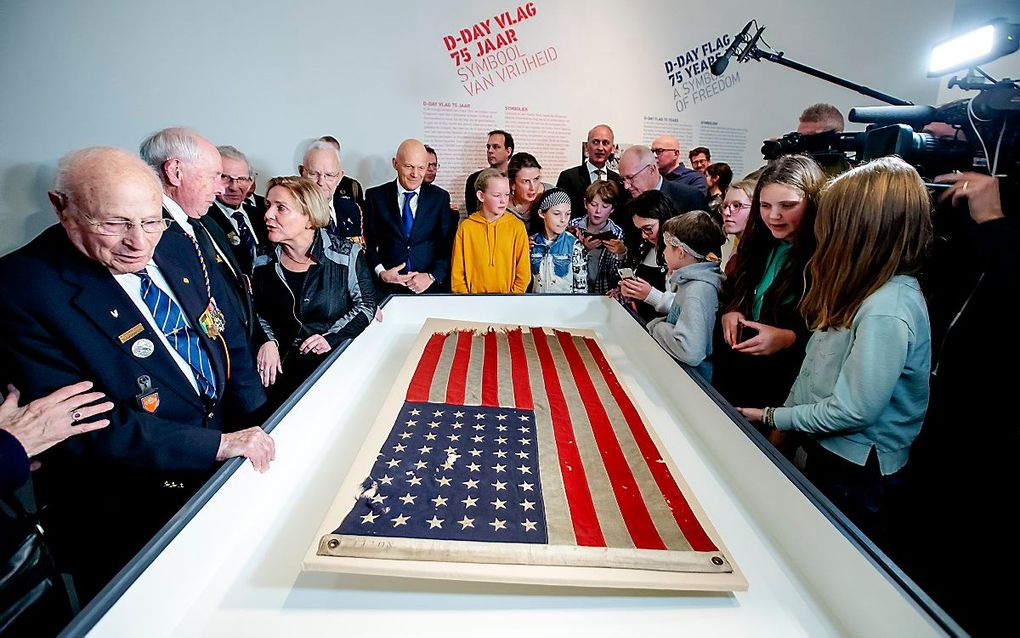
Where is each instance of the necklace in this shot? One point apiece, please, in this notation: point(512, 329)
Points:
point(297, 261)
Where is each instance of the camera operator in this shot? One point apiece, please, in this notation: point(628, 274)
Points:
point(819, 118)
point(964, 475)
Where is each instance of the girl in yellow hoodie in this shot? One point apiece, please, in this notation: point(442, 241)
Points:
point(490, 251)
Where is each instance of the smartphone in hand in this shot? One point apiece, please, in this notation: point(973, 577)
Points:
point(745, 332)
point(627, 273)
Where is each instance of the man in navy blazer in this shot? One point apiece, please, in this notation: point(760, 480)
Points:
point(409, 227)
point(600, 147)
point(72, 307)
point(241, 217)
point(191, 171)
point(638, 168)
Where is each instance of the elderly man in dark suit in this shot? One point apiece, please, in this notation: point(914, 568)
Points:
point(408, 227)
point(191, 170)
point(321, 164)
point(95, 298)
point(241, 217)
point(600, 147)
point(640, 173)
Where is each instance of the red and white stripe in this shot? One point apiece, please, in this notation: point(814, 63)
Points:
point(604, 482)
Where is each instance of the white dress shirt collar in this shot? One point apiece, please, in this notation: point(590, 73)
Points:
point(178, 214)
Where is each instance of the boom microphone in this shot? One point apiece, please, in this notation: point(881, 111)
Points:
point(719, 66)
point(915, 115)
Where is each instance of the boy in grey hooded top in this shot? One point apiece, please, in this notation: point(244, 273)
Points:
point(692, 243)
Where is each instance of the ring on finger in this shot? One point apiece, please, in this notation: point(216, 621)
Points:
point(75, 416)
point(964, 187)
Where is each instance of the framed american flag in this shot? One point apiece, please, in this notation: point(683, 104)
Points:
point(513, 453)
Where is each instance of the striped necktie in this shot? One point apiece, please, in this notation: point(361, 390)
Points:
point(247, 237)
point(170, 319)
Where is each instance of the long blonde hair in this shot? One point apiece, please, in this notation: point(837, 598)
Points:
point(873, 222)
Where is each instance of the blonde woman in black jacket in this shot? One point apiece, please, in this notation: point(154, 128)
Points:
point(312, 293)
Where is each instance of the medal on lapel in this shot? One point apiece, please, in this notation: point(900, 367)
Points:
point(234, 239)
point(148, 397)
point(142, 348)
point(212, 320)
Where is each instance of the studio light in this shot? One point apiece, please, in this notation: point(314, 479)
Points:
point(983, 44)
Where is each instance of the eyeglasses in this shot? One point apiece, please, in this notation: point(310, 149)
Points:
point(649, 230)
point(630, 178)
point(244, 180)
point(660, 151)
point(735, 206)
point(123, 227)
point(314, 175)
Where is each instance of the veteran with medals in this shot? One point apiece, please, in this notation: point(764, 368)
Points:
point(105, 295)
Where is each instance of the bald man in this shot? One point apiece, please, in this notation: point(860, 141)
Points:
point(409, 228)
point(106, 295)
point(666, 150)
point(599, 147)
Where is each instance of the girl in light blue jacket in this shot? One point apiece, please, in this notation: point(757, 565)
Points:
point(862, 390)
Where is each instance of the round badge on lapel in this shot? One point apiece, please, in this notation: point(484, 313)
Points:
point(142, 348)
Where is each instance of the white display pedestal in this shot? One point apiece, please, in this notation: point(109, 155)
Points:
point(235, 567)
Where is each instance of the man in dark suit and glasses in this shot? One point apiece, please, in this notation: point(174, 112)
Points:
point(408, 227)
point(321, 164)
point(600, 147)
point(95, 298)
point(241, 217)
point(639, 170)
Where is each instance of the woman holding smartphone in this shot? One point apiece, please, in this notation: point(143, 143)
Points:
point(762, 333)
point(644, 279)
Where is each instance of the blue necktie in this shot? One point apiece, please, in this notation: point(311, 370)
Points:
point(170, 319)
point(247, 237)
point(408, 223)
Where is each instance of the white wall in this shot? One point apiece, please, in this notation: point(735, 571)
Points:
point(268, 77)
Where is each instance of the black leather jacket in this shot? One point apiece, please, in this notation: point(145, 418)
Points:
point(337, 300)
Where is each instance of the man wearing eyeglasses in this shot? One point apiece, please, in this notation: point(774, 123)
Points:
point(321, 164)
point(666, 149)
point(241, 217)
point(638, 169)
point(107, 296)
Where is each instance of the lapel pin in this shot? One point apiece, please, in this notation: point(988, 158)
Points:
point(130, 334)
point(114, 313)
point(142, 348)
point(187, 281)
